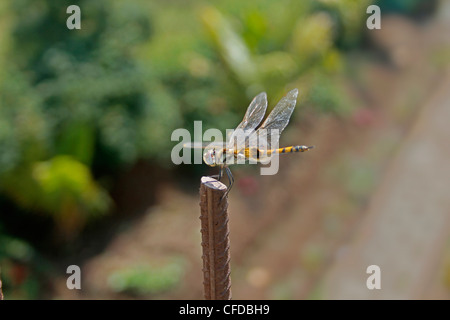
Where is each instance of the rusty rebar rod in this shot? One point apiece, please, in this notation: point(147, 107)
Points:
point(215, 240)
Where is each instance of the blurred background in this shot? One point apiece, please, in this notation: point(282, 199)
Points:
point(86, 118)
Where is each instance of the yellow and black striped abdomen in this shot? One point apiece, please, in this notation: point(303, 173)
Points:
point(254, 153)
point(289, 149)
point(258, 154)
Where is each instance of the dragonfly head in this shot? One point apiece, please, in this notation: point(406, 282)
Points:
point(212, 157)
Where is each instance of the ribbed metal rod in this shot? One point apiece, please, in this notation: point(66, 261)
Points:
point(215, 240)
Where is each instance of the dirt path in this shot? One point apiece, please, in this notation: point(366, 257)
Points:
point(408, 219)
point(407, 224)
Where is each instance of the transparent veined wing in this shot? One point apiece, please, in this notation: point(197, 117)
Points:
point(278, 119)
point(203, 145)
point(253, 117)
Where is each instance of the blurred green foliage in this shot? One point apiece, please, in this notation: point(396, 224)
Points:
point(142, 280)
point(17, 257)
point(413, 8)
point(69, 101)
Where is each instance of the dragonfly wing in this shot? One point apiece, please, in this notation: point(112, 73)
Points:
point(255, 112)
point(253, 117)
point(278, 119)
point(203, 145)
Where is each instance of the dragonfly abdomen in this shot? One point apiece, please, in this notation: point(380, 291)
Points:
point(258, 154)
point(289, 149)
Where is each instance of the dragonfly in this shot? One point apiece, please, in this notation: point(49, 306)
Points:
point(252, 140)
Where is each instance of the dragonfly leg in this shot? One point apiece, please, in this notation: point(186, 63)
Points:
point(220, 173)
point(230, 180)
point(218, 176)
